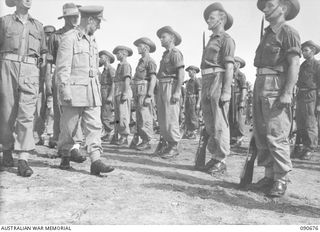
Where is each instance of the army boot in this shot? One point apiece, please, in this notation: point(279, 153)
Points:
point(171, 151)
point(160, 147)
point(144, 145)
point(7, 160)
point(65, 163)
point(123, 140)
point(76, 156)
point(296, 153)
point(23, 169)
point(134, 141)
point(98, 167)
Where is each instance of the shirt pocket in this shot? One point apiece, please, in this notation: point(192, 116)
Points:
point(11, 42)
point(273, 54)
point(34, 42)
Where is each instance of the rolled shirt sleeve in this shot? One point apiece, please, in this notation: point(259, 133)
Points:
point(228, 50)
point(291, 43)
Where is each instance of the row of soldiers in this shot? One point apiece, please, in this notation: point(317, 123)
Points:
point(74, 52)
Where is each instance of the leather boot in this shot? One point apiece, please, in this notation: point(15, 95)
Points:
point(171, 151)
point(65, 163)
point(75, 156)
point(98, 167)
point(123, 141)
point(160, 147)
point(23, 169)
point(7, 160)
point(217, 168)
point(306, 155)
point(278, 189)
point(134, 141)
point(144, 145)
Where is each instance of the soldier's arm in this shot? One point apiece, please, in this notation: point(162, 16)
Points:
point(112, 74)
point(152, 70)
point(177, 61)
point(243, 91)
point(198, 86)
point(63, 65)
point(228, 54)
point(292, 74)
point(127, 78)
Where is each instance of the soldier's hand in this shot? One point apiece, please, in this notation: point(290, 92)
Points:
point(147, 101)
point(175, 98)
point(225, 97)
point(67, 95)
point(109, 100)
point(285, 100)
point(197, 107)
point(124, 97)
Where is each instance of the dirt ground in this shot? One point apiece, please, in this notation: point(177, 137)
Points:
point(148, 190)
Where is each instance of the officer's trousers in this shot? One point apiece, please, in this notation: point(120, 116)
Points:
point(271, 126)
point(122, 116)
point(306, 119)
point(144, 118)
point(78, 136)
point(89, 120)
point(215, 116)
point(19, 88)
point(191, 118)
point(168, 113)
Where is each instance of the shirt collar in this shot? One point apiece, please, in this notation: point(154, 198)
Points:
point(275, 28)
point(16, 17)
point(145, 58)
point(217, 34)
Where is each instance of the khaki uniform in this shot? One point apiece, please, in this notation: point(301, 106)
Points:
point(20, 47)
point(168, 113)
point(271, 125)
point(237, 116)
point(309, 77)
point(53, 46)
point(77, 72)
point(219, 51)
point(122, 110)
point(140, 82)
point(192, 93)
point(106, 80)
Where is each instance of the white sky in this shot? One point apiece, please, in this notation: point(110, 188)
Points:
point(128, 20)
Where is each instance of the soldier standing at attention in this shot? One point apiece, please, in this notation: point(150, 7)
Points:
point(170, 76)
point(237, 115)
point(192, 102)
point(71, 18)
point(22, 50)
point(79, 88)
point(122, 94)
point(277, 62)
point(107, 87)
point(143, 84)
point(308, 82)
point(217, 72)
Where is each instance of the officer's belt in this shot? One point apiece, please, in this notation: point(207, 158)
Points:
point(306, 89)
point(267, 71)
point(208, 71)
point(167, 79)
point(18, 58)
point(139, 82)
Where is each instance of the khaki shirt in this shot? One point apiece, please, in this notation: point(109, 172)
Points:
point(145, 68)
point(171, 61)
point(309, 74)
point(23, 39)
point(193, 87)
point(107, 76)
point(77, 69)
point(277, 43)
point(239, 81)
point(123, 71)
point(219, 51)
point(53, 44)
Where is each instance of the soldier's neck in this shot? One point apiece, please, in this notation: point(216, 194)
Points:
point(218, 30)
point(170, 47)
point(144, 54)
point(277, 21)
point(124, 59)
point(22, 14)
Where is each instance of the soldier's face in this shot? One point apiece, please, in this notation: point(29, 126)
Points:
point(72, 20)
point(102, 60)
point(214, 20)
point(166, 39)
point(307, 52)
point(94, 24)
point(236, 65)
point(191, 73)
point(273, 10)
point(141, 48)
point(24, 3)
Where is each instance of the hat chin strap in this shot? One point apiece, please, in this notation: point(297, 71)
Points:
point(267, 16)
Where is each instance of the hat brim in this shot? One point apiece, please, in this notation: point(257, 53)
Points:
point(193, 68)
point(111, 57)
point(10, 3)
point(178, 39)
point(115, 51)
point(72, 14)
point(241, 61)
point(150, 44)
point(214, 7)
point(294, 9)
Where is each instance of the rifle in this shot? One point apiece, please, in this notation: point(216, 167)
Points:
point(200, 158)
point(247, 171)
point(204, 40)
